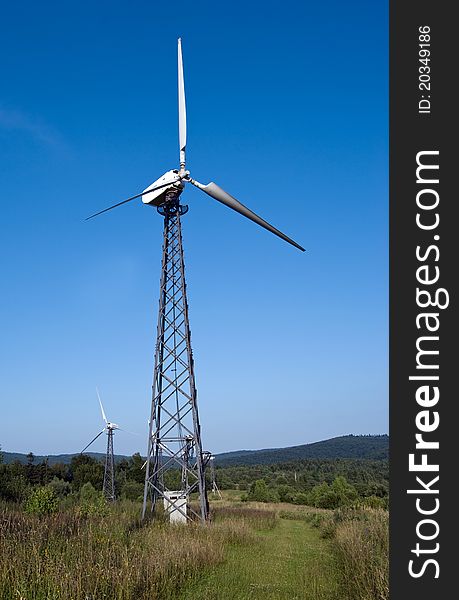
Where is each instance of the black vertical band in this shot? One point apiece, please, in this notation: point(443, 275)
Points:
point(423, 134)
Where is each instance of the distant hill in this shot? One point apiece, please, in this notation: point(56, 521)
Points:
point(375, 447)
point(54, 459)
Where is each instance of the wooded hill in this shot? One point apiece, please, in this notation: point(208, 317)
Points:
point(371, 447)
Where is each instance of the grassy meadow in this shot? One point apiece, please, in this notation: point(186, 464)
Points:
point(249, 550)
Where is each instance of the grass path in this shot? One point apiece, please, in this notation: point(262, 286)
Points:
point(289, 562)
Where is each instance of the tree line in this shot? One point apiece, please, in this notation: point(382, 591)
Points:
point(325, 483)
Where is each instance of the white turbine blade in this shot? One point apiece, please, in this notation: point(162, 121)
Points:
point(216, 192)
point(127, 431)
point(181, 106)
point(101, 407)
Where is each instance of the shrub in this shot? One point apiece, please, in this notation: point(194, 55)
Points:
point(259, 491)
point(92, 502)
point(374, 502)
point(98, 507)
point(273, 496)
point(42, 501)
point(60, 487)
point(132, 490)
point(301, 498)
point(328, 529)
point(345, 492)
point(13, 487)
point(88, 492)
point(286, 493)
point(339, 493)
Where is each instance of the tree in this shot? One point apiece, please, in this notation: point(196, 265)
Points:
point(345, 492)
point(13, 484)
point(259, 491)
point(286, 493)
point(92, 502)
point(322, 497)
point(339, 493)
point(132, 490)
point(59, 486)
point(88, 493)
point(84, 469)
point(135, 472)
point(301, 499)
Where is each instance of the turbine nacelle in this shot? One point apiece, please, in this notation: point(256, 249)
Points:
point(109, 426)
point(156, 193)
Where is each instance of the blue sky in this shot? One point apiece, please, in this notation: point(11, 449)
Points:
point(287, 111)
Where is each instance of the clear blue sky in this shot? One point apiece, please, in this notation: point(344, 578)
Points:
point(287, 110)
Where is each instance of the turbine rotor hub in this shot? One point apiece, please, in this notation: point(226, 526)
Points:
point(171, 204)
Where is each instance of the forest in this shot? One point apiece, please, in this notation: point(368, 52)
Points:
point(324, 483)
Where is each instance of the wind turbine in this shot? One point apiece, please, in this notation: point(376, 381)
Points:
point(109, 472)
point(174, 431)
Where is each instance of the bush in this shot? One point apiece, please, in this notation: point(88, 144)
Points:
point(86, 469)
point(60, 487)
point(42, 501)
point(98, 507)
point(374, 502)
point(301, 499)
point(88, 492)
point(259, 491)
point(13, 487)
point(339, 493)
point(286, 493)
point(92, 502)
point(68, 502)
point(328, 529)
point(318, 519)
point(132, 490)
point(273, 496)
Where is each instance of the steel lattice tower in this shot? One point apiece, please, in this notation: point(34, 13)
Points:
point(109, 473)
point(174, 440)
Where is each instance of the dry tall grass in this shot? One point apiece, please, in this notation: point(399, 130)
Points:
point(259, 517)
point(359, 537)
point(363, 550)
point(67, 556)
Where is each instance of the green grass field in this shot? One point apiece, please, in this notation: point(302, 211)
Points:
point(250, 551)
point(290, 561)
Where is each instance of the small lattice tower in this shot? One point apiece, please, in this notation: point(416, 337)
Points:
point(109, 473)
